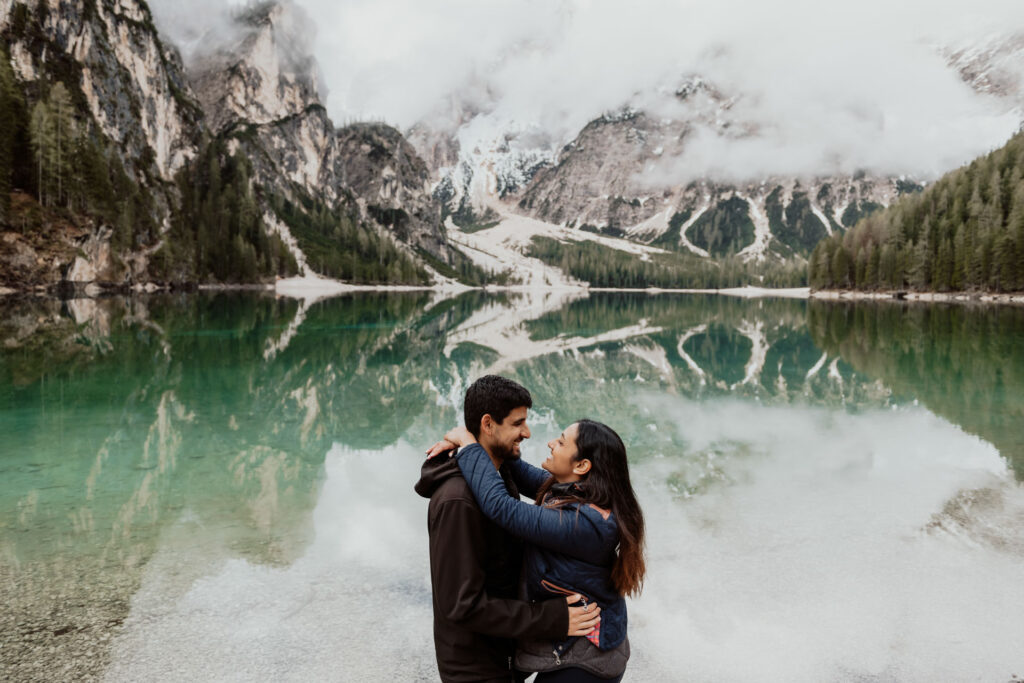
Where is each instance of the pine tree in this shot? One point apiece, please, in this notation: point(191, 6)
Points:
point(43, 141)
point(944, 267)
point(9, 122)
point(871, 267)
point(841, 267)
point(61, 111)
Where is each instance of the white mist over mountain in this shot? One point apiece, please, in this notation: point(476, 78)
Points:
point(826, 87)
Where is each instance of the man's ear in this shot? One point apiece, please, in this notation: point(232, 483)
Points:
point(487, 424)
point(581, 467)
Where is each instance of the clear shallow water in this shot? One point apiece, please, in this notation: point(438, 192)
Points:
point(220, 486)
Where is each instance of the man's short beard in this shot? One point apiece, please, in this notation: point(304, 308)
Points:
point(505, 453)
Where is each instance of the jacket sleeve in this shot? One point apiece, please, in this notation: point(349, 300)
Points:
point(528, 478)
point(457, 556)
point(563, 530)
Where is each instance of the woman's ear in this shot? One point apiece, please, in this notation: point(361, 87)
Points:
point(581, 467)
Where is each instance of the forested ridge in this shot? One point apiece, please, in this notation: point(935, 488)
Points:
point(87, 197)
point(964, 233)
point(218, 234)
point(61, 178)
point(603, 266)
point(51, 152)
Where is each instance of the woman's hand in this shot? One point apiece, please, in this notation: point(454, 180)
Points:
point(583, 619)
point(460, 436)
point(439, 448)
point(455, 438)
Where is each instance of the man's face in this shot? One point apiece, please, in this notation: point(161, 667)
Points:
point(505, 436)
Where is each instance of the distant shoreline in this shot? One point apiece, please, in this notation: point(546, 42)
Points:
point(315, 288)
point(926, 297)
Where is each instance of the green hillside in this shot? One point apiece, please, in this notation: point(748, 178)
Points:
point(963, 233)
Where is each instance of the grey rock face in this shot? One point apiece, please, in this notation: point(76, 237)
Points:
point(261, 77)
point(994, 68)
point(127, 87)
point(265, 96)
point(438, 148)
point(109, 53)
point(263, 91)
point(392, 182)
point(617, 175)
point(595, 180)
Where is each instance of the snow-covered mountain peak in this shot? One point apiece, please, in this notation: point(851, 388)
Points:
point(480, 155)
point(994, 67)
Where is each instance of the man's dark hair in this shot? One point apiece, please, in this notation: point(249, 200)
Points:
point(495, 396)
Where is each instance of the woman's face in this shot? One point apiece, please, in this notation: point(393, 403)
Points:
point(562, 462)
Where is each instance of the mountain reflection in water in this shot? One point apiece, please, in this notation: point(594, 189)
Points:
point(151, 444)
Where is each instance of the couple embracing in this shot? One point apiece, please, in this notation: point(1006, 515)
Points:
point(524, 587)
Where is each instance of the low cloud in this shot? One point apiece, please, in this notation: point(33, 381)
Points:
point(830, 87)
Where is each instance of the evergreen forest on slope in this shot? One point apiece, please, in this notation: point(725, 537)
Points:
point(964, 233)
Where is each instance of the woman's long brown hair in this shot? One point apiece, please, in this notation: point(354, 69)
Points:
point(607, 486)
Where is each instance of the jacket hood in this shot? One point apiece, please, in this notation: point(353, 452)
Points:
point(436, 471)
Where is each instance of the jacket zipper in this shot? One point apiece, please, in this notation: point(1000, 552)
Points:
point(553, 588)
point(564, 591)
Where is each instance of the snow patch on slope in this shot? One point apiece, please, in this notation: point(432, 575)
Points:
point(684, 240)
point(758, 351)
point(502, 247)
point(823, 218)
point(762, 232)
point(278, 228)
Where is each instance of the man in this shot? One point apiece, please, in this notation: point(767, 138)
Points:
point(474, 564)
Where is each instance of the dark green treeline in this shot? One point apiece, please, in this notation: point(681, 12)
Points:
point(964, 233)
point(218, 232)
point(339, 245)
point(51, 151)
point(603, 266)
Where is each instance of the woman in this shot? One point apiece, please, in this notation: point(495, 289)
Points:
point(584, 535)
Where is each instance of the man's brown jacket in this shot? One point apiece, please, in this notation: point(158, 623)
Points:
point(474, 573)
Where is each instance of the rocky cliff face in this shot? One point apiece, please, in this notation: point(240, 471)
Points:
point(259, 89)
point(255, 97)
point(611, 178)
point(130, 99)
point(391, 182)
point(109, 54)
point(132, 83)
point(262, 90)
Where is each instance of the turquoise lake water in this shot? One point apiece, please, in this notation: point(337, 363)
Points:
point(219, 486)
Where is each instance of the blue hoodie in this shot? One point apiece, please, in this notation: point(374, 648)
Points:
point(570, 549)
